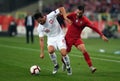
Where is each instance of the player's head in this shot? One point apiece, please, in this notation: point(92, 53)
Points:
point(39, 18)
point(80, 11)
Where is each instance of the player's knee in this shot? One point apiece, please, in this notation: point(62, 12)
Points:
point(51, 52)
point(51, 49)
point(83, 50)
point(63, 52)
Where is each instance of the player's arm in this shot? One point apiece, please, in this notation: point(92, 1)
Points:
point(92, 26)
point(63, 12)
point(41, 40)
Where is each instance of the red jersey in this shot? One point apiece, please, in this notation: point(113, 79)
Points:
point(78, 24)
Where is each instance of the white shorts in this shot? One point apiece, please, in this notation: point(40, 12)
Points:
point(57, 42)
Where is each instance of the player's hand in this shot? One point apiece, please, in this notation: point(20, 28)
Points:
point(68, 20)
point(41, 55)
point(105, 38)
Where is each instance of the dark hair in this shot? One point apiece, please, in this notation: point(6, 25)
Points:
point(37, 15)
point(81, 7)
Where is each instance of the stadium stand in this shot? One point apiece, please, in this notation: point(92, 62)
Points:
point(101, 12)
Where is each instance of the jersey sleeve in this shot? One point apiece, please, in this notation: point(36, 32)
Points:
point(54, 13)
point(92, 26)
point(40, 32)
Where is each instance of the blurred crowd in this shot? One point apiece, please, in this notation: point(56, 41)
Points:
point(106, 12)
point(92, 6)
point(97, 6)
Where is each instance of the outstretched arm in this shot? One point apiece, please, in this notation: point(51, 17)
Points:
point(104, 38)
point(89, 24)
point(100, 33)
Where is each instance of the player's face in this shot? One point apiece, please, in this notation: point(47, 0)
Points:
point(41, 20)
point(79, 13)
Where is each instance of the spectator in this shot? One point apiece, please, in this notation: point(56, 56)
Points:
point(110, 30)
point(29, 24)
point(12, 30)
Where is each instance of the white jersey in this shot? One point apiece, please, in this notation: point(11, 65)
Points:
point(51, 27)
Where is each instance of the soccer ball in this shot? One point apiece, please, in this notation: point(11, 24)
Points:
point(35, 70)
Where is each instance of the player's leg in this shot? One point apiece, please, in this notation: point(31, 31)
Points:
point(80, 45)
point(61, 43)
point(82, 48)
point(52, 55)
point(63, 64)
point(66, 61)
point(53, 58)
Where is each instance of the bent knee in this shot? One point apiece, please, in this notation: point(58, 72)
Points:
point(51, 49)
point(51, 52)
point(82, 48)
point(63, 52)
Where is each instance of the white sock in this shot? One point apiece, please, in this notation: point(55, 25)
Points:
point(67, 61)
point(91, 67)
point(53, 58)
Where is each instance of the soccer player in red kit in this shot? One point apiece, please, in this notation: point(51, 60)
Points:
point(78, 23)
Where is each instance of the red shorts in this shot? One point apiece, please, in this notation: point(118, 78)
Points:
point(73, 41)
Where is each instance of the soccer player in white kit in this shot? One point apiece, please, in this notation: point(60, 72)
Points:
point(49, 26)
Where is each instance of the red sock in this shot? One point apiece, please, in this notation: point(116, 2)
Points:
point(87, 59)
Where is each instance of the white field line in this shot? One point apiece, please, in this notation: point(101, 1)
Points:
point(20, 48)
point(30, 49)
point(105, 56)
point(98, 58)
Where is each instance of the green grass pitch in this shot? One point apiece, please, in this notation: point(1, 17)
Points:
point(16, 57)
